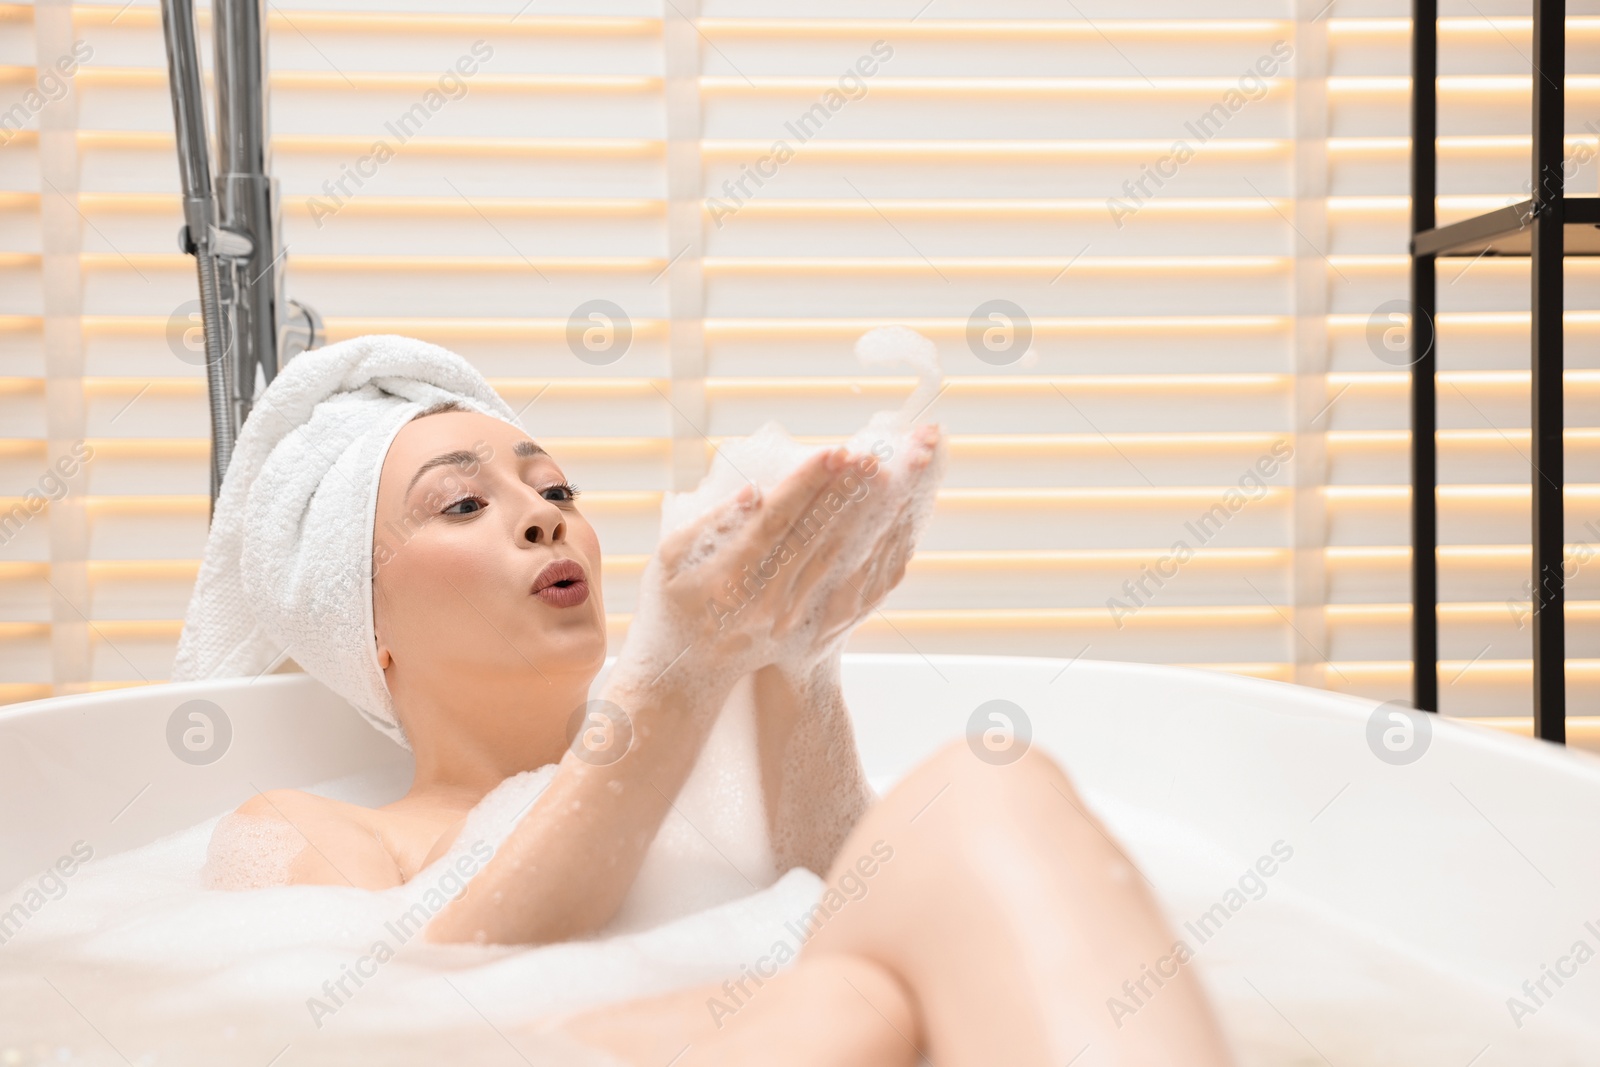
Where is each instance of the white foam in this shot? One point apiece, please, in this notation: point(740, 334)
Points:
point(712, 846)
point(893, 346)
point(172, 972)
point(250, 852)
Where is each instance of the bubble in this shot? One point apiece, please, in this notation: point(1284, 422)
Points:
point(892, 345)
point(895, 346)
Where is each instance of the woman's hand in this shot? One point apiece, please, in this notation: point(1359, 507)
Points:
point(718, 596)
point(861, 557)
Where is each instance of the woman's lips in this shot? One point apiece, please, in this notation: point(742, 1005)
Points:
point(565, 596)
point(562, 584)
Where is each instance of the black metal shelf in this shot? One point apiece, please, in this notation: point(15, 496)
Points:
point(1507, 232)
point(1546, 228)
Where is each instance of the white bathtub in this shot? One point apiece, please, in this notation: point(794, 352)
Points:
point(1480, 858)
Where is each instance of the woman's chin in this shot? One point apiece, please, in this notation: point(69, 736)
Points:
point(571, 638)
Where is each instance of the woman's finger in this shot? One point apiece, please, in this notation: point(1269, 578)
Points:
point(841, 601)
point(818, 567)
point(891, 563)
point(792, 499)
point(857, 511)
point(716, 522)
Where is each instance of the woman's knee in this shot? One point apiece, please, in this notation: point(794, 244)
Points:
point(969, 759)
point(871, 1018)
point(879, 1006)
point(954, 794)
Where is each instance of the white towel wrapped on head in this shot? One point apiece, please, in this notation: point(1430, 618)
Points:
point(288, 561)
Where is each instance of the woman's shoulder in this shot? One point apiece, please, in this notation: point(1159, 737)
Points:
point(290, 837)
point(295, 806)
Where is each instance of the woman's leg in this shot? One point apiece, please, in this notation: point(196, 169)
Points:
point(1014, 919)
point(981, 915)
point(833, 1011)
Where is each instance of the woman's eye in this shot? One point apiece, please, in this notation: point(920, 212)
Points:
point(566, 492)
point(475, 501)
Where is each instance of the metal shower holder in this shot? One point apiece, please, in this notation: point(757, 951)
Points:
point(234, 232)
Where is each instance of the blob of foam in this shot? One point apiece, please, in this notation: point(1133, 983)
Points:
point(147, 942)
point(769, 454)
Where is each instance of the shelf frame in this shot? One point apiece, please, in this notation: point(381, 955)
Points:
point(1546, 227)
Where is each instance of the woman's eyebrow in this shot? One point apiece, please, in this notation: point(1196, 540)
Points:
point(459, 458)
point(462, 458)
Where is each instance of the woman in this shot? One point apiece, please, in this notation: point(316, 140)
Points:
point(996, 932)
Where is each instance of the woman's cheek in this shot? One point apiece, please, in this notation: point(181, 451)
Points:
point(456, 565)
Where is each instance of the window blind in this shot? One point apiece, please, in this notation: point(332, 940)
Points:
point(1160, 256)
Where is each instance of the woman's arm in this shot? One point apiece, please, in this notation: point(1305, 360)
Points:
point(567, 866)
point(812, 779)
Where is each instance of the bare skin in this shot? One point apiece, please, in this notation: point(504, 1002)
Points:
point(486, 675)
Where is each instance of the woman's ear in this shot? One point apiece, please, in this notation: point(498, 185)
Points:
point(384, 658)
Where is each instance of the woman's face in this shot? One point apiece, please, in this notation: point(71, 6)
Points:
point(471, 513)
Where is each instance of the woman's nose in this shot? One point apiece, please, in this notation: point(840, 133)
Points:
point(539, 532)
point(543, 522)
